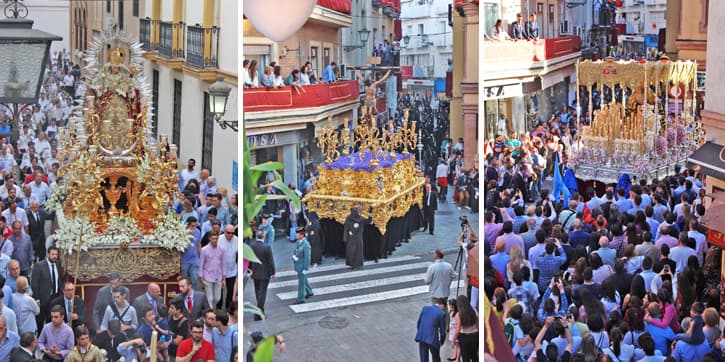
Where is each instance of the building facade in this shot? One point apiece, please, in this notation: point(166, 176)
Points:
point(182, 61)
point(52, 17)
point(427, 41)
point(525, 81)
point(281, 124)
point(90, 17)
point(464, 102)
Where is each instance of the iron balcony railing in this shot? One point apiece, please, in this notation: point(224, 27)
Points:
point(202, 47)
point(171, 39)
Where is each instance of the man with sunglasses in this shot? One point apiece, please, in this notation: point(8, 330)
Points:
point(228, 243)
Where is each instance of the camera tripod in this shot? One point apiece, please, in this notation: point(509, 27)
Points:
point(457, 267)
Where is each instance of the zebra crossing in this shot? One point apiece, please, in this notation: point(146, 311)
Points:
point(338, 286)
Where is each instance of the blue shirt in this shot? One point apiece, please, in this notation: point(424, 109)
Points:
point(224, 343)
point(268, 233)
point(548, 265)
point(12, 340)
point(191, 254)
point(328, 75)
point(687, 352)
point(661, 336)
point(624, 204)
point(499, 261)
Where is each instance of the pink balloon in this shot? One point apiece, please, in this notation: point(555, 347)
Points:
point(278, 19)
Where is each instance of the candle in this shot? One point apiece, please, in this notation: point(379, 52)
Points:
point(173, 151)
point(163, 138)
point(90, 100)
point(154, 338)
point(129, 122)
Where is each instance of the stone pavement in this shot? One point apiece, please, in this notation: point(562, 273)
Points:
point(364, 315)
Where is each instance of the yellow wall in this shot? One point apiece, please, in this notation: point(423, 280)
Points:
point(691, 42)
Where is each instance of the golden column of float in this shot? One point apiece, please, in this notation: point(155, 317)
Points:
point(374, 176)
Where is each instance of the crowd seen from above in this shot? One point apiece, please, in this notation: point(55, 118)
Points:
point(626, 274)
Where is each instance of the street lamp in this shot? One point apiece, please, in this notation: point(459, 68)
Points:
point(419, 146)
point(24, 55)
point(363, 34)
point(218, 96)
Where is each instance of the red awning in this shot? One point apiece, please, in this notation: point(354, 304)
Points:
point(342, 6)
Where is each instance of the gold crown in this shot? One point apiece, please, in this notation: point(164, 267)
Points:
point(117, 55)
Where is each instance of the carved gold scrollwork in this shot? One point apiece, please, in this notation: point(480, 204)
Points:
point(129, 263)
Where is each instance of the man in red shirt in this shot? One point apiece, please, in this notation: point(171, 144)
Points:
point(195, 348)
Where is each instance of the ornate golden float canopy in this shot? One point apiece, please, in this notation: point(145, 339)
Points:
point(375, 175)
point(633, 134)
point(117, 182)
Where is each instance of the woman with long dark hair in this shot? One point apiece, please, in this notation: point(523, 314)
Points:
point(670, 318)
point(467, 329)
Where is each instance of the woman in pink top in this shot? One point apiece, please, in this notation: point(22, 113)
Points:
point(670, 316)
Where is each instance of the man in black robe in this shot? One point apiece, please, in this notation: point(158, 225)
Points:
point(353, 237)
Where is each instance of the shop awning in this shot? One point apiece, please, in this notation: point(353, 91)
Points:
point(710, 158)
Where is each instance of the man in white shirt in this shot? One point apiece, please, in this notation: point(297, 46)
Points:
point(14, 213)
point(700, 240)
point(442, 178)
point(10, 183)
point(39, 189)
point(229, 243)
point(187, 174)
point(680, 253)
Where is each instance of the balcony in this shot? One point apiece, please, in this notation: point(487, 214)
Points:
point(171, 39)
point(147, 28)
point(530, 51)
point(314, 96)
point(202, 47)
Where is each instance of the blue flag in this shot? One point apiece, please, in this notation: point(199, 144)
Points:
point(559, 187)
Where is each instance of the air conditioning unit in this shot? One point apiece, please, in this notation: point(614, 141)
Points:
point(564, 27)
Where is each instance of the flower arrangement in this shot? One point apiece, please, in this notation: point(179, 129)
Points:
point(169, 233)
point(660, 145)
point(681, 134)
point(56, 198)
point(671, 135)
point(143, 169)
point(641, 165)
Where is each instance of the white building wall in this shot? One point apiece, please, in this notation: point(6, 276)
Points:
point(432, 14)
point(228, 36)
point(51, 16)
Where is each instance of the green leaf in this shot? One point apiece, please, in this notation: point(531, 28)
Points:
point(267, 166)
point(248, 254)
point(265, 350)
point(251, 308)
point(289, 193)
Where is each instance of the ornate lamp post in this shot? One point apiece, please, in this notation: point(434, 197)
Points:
point(24, 54)
point(218, 96)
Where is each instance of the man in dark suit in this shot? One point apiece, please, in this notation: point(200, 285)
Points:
point(194, 302)
point(46, 281)
point(261, 272)
point(517, 28)
point(75, 308)
point(532, 29)
point(520, 181)
point(152, 298)
point(104, 298)
point(431, 330)
point(36, 229)
point(24, 353)
point(430, 207)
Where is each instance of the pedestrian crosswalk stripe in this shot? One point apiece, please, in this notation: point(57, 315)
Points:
point(366, 298)
point(352, 274)
point(289, 273)
point(357, 285)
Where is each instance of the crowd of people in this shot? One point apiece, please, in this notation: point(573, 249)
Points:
point(41, 315)
point(626, 274)
point(520, 29)
point(297, 77)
